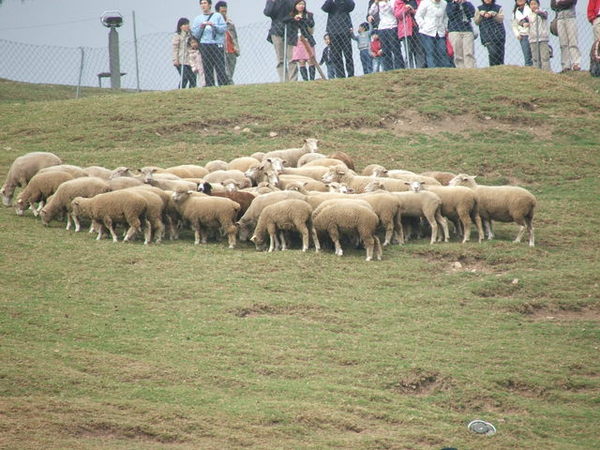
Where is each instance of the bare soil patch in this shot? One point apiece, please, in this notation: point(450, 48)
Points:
point(420, 382)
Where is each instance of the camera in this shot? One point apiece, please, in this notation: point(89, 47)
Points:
point(111, 19)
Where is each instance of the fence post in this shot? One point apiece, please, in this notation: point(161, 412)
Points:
point(285, 55)
point(80, 72)
point(135, 46)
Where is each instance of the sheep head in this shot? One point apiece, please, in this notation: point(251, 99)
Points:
point(181, 195)
point(6, 199)
point(312, 145)
point(205, 187)
point(335, 173)
point(463, 180)
point(380, 172)
point(415, 186)
point(20, 207)
point(121, 172)
point(374, 185)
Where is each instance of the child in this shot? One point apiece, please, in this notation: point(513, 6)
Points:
point(196, 61)
point(376, 52)
point(363, 41)
point(538, 36)
point(327, 57)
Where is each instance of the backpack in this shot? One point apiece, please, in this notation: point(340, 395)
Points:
point(595, 59)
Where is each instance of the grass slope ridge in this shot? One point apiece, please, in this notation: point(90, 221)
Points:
point(120, 346)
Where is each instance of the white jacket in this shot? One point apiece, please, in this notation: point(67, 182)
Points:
point(387, 18)
point(432, 18)
point(518, 16)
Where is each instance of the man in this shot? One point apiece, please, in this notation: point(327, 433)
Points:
point(593, 15)
point(232, 48)
point(566, 23)
point(278, 10)
point(209, 28)
point(339, 26)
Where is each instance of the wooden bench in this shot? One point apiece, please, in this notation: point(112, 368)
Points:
point(106, 75)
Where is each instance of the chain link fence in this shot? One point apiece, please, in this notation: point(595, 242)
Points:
point(88, 67)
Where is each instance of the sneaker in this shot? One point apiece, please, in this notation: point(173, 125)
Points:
point(481, 427)
point(576, 67)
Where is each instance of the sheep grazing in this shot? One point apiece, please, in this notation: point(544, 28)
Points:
point(98, 171)
point(155, 211)
point(248, 221)
point(243, 198)
point(377, 170)
point(75, 171)
point(325, 162)
point(286, 215)
point(219, 176)
point(110, 208)
point(292, 155)
point(443, 177)
point(187, 171)
point(205, 212)
point(23, 169)
point(39, 188)
point(216, 164)
point(59, 204)
point(243, 163)
point(309, 157)
point(344, 157)
point(503, 204)
point(335, 217)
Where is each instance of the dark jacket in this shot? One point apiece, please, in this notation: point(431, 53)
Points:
point(459, 16)
point(303, 25)
point(490, 30)
point(338, 16)
point(278, 11)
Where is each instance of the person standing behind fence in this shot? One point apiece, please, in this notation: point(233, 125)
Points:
point(490, 19)
point(181, 54)
point(339, 28)
point(231, 47)
point(388, 34)
point(376, 51)
point(209, 28)
point(278, 10)
point(538, 36)
point(432, 20)
point(196, 61)
point(570, 57)
point(593, 15)
point(520, 27)
point(460, 33)
point(408, 32)
point(363, 42)
point(327, 58)
point(300, 24)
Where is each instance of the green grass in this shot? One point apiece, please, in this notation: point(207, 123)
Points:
point(108, 345)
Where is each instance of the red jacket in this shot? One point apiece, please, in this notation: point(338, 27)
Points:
point(593, 10)
point(376, 48)
point(405, 17)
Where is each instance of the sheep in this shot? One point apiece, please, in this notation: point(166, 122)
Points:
point(171, 185)
point(60, 203)
point(344, 157)
point(23, 169)
point(155, 210)
point(244, 199)
point(75, 171)
point(187, 171)
point(377, 170)
point(353, 216)
point(315, 172)
point(310, 184)
point(325, 162)
point(207, 212)
point(264, 187)
point(309, 157)
point(443, 177)
point(258, 155)
point(359, 182)
point(404, 175)
point(243, 163)
point(292, 214)
point(40, 187)
point(215, 165)
point(248, 221)
point(417, 204)
point(150, 172)
point(218, 176)
point(387, 208)
point(292, 155)
point(119, 183)
point(98, 171)
point(502, 203)
point(114, 207)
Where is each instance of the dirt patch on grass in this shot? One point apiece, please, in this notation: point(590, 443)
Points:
point(559, 313)
point(105, 430)
point(459, 263)
point(265, 309)
point(523, 388)
point(420, 382)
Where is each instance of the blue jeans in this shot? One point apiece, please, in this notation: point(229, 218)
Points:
point(392, 51)
point(526, 50)
point(366, 61)
point(436, 54)
point(377, 64)
point(330, 71)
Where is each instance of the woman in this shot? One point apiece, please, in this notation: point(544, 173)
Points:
point(432, 20)
point(460, 32)
point(301, 23)
point(520, 26)
point(408, 32)
point(388, 33)
point(490, 19)
point(181, 54)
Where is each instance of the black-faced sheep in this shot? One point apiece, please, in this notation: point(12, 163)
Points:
point(292, 155)
point(23, 169)
point(336, 217)
point(205, 212)
point(503, 204)
point(286, 215)
point(60, 203)
point(39, 188)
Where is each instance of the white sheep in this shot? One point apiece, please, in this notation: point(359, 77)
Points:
point(23, 169)
point(325, 162)
point(292, 155)
point(219, 176)
point(336, 217)
point(98, 171)
point(358, 183)
point(503, 204)
point(243, 163)
point(248, 221)
point(60, 203)
point(286, 215)
point(203, 212)
point(308, 157)
point(39, 188)
point(344, 157)
point(216, 164)
point(75, 171)
point(187, 171)
point(377, 170)
point(155, 211)
point(110, 208)
point(443, 177)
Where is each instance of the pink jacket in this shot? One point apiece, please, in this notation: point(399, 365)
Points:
point(406, 18)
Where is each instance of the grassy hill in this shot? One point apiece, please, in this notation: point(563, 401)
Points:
point(128, 346)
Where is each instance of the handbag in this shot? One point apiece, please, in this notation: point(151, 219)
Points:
point(554, 26)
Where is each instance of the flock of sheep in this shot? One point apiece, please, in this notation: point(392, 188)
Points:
point(267, 198)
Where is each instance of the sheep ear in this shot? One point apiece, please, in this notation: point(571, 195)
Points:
point(190, 192)
point(422, 183)
point(407, 183)
point(305, 184)
point(284, 162)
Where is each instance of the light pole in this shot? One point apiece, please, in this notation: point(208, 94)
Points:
point(113, 20)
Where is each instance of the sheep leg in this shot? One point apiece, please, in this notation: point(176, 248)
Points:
point(335, 237)
point(369, 244)
point(378, 250)
point(108, 223)
point(389, 232)
point(99, 228)
point(434, 228)
point(465, 223)
point(76, 222)
point(36, 211)
point(444, 223)
point(305, 237)
point(487, 223)
point(231, 235)
point(316, 240)
point(399, 230)
point(147, 232)
point(479, 226)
